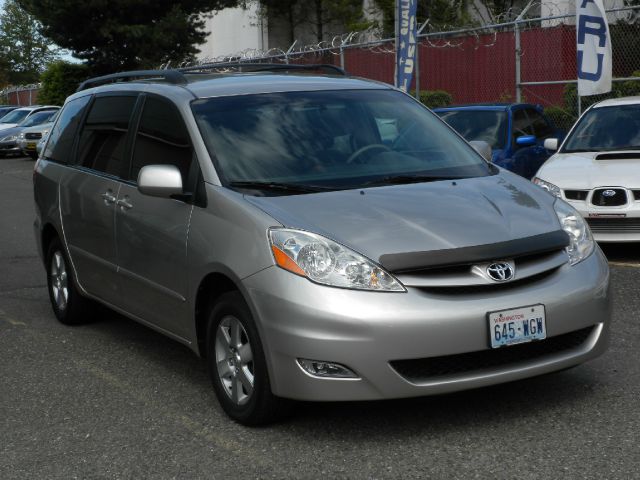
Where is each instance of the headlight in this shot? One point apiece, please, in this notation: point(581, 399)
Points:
point(327, 262)
point(549, 187)
point(582, 243)
point(21, 136)
point(9, 138)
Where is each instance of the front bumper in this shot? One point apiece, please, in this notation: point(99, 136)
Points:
point(7, 148)
point(612, 224)
point(367, 330)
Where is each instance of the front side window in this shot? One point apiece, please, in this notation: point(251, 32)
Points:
point(162, 139)
point(521, 124)
point(331, 140)
point(606, 128)
point(541, 127)
point(487, 125)
point(62, 135)
point(104, 133)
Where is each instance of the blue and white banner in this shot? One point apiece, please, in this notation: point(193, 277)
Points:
point(594, 48)
point(406, 43)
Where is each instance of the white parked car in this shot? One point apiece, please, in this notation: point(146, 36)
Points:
point(597, 169)
point(18, 115)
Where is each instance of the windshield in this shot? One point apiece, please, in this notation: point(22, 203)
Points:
point(38, 118)
point(606, 128)
point(487, 125)
point(330, 140)
point(15, 117)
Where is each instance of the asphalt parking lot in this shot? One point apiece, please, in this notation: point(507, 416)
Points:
point(113, 399)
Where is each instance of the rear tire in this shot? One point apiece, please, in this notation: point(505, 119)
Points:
point(237, 365)
point(68, 304)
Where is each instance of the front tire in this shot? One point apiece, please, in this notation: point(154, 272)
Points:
point(69, 306)
point(237, 365)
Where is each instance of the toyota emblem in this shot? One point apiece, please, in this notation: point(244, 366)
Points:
point(609, 193)
point(500, 271)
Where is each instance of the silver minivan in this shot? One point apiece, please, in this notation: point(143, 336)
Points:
point(313, 236)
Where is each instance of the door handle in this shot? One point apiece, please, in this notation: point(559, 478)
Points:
point(108, 197)
point(124, 203)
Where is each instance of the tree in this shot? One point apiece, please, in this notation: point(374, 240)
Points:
point(441, 14)
point(115, 35)
point(323, 18)
point(23, 50)
point(60, 80)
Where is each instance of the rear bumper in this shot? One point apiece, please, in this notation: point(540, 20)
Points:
point(367, 330)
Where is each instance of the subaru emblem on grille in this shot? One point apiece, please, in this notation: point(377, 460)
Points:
point(609, 193)
point(500, 271)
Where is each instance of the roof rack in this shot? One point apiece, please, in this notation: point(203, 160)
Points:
point(263, 67)
point(170, 76)
point(176, 76)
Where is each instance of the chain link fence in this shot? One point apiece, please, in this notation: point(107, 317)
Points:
point(24, 95)
point(526, 55)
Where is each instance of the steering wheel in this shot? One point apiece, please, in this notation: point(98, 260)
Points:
point(366, 148)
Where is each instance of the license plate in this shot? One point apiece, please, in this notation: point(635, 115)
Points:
point(31, 146)
point(518, 325)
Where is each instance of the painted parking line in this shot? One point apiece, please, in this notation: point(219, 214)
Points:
point(624, 264)
point(16, 323)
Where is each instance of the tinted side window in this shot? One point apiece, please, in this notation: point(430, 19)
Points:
point(63, 133)
point(162, 139)
point(104, 134)
point(521, 124)
point(540, 126)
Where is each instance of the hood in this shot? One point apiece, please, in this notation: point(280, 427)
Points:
point(10, 131)
point(581, 170)
point(5, 126)
point(405, 219)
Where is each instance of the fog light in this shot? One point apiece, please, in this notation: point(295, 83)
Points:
point(325, 369)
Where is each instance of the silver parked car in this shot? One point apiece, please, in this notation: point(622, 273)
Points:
point(314, 236)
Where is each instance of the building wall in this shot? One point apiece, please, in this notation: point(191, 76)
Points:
point(233, 30)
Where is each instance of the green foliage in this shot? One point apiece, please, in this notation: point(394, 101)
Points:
point(560, 117)
point(618, 89)
point(24, 52)
point(114, 35)
point(60, 80)
point(434, 98)
point(325, 18)
point(442, 14)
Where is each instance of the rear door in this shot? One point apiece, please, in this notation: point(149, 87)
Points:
point(151, 232)
point(89, 190)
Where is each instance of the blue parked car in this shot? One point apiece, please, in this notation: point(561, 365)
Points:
point(515, 131)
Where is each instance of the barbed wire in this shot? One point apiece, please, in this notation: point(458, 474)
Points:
point(480, 32)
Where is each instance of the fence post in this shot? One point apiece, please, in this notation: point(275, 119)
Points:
point(516, 26)
point(579, 103)
point(518, 51)
point(341, 57)
point(418, 71)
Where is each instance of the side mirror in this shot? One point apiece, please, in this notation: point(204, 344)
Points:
point(526, 140)
point(551, 144)
point(483, 148)
point(160, 181)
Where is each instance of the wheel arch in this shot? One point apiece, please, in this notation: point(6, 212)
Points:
point(211, 287)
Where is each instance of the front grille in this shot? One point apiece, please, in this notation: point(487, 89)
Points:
point(614, 225)
point(576, 194)
point(609, 197)
point(425, 369)
point(33, 136)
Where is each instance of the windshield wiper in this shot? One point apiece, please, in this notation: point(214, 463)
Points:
point(401, 179)
point(279, 186)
